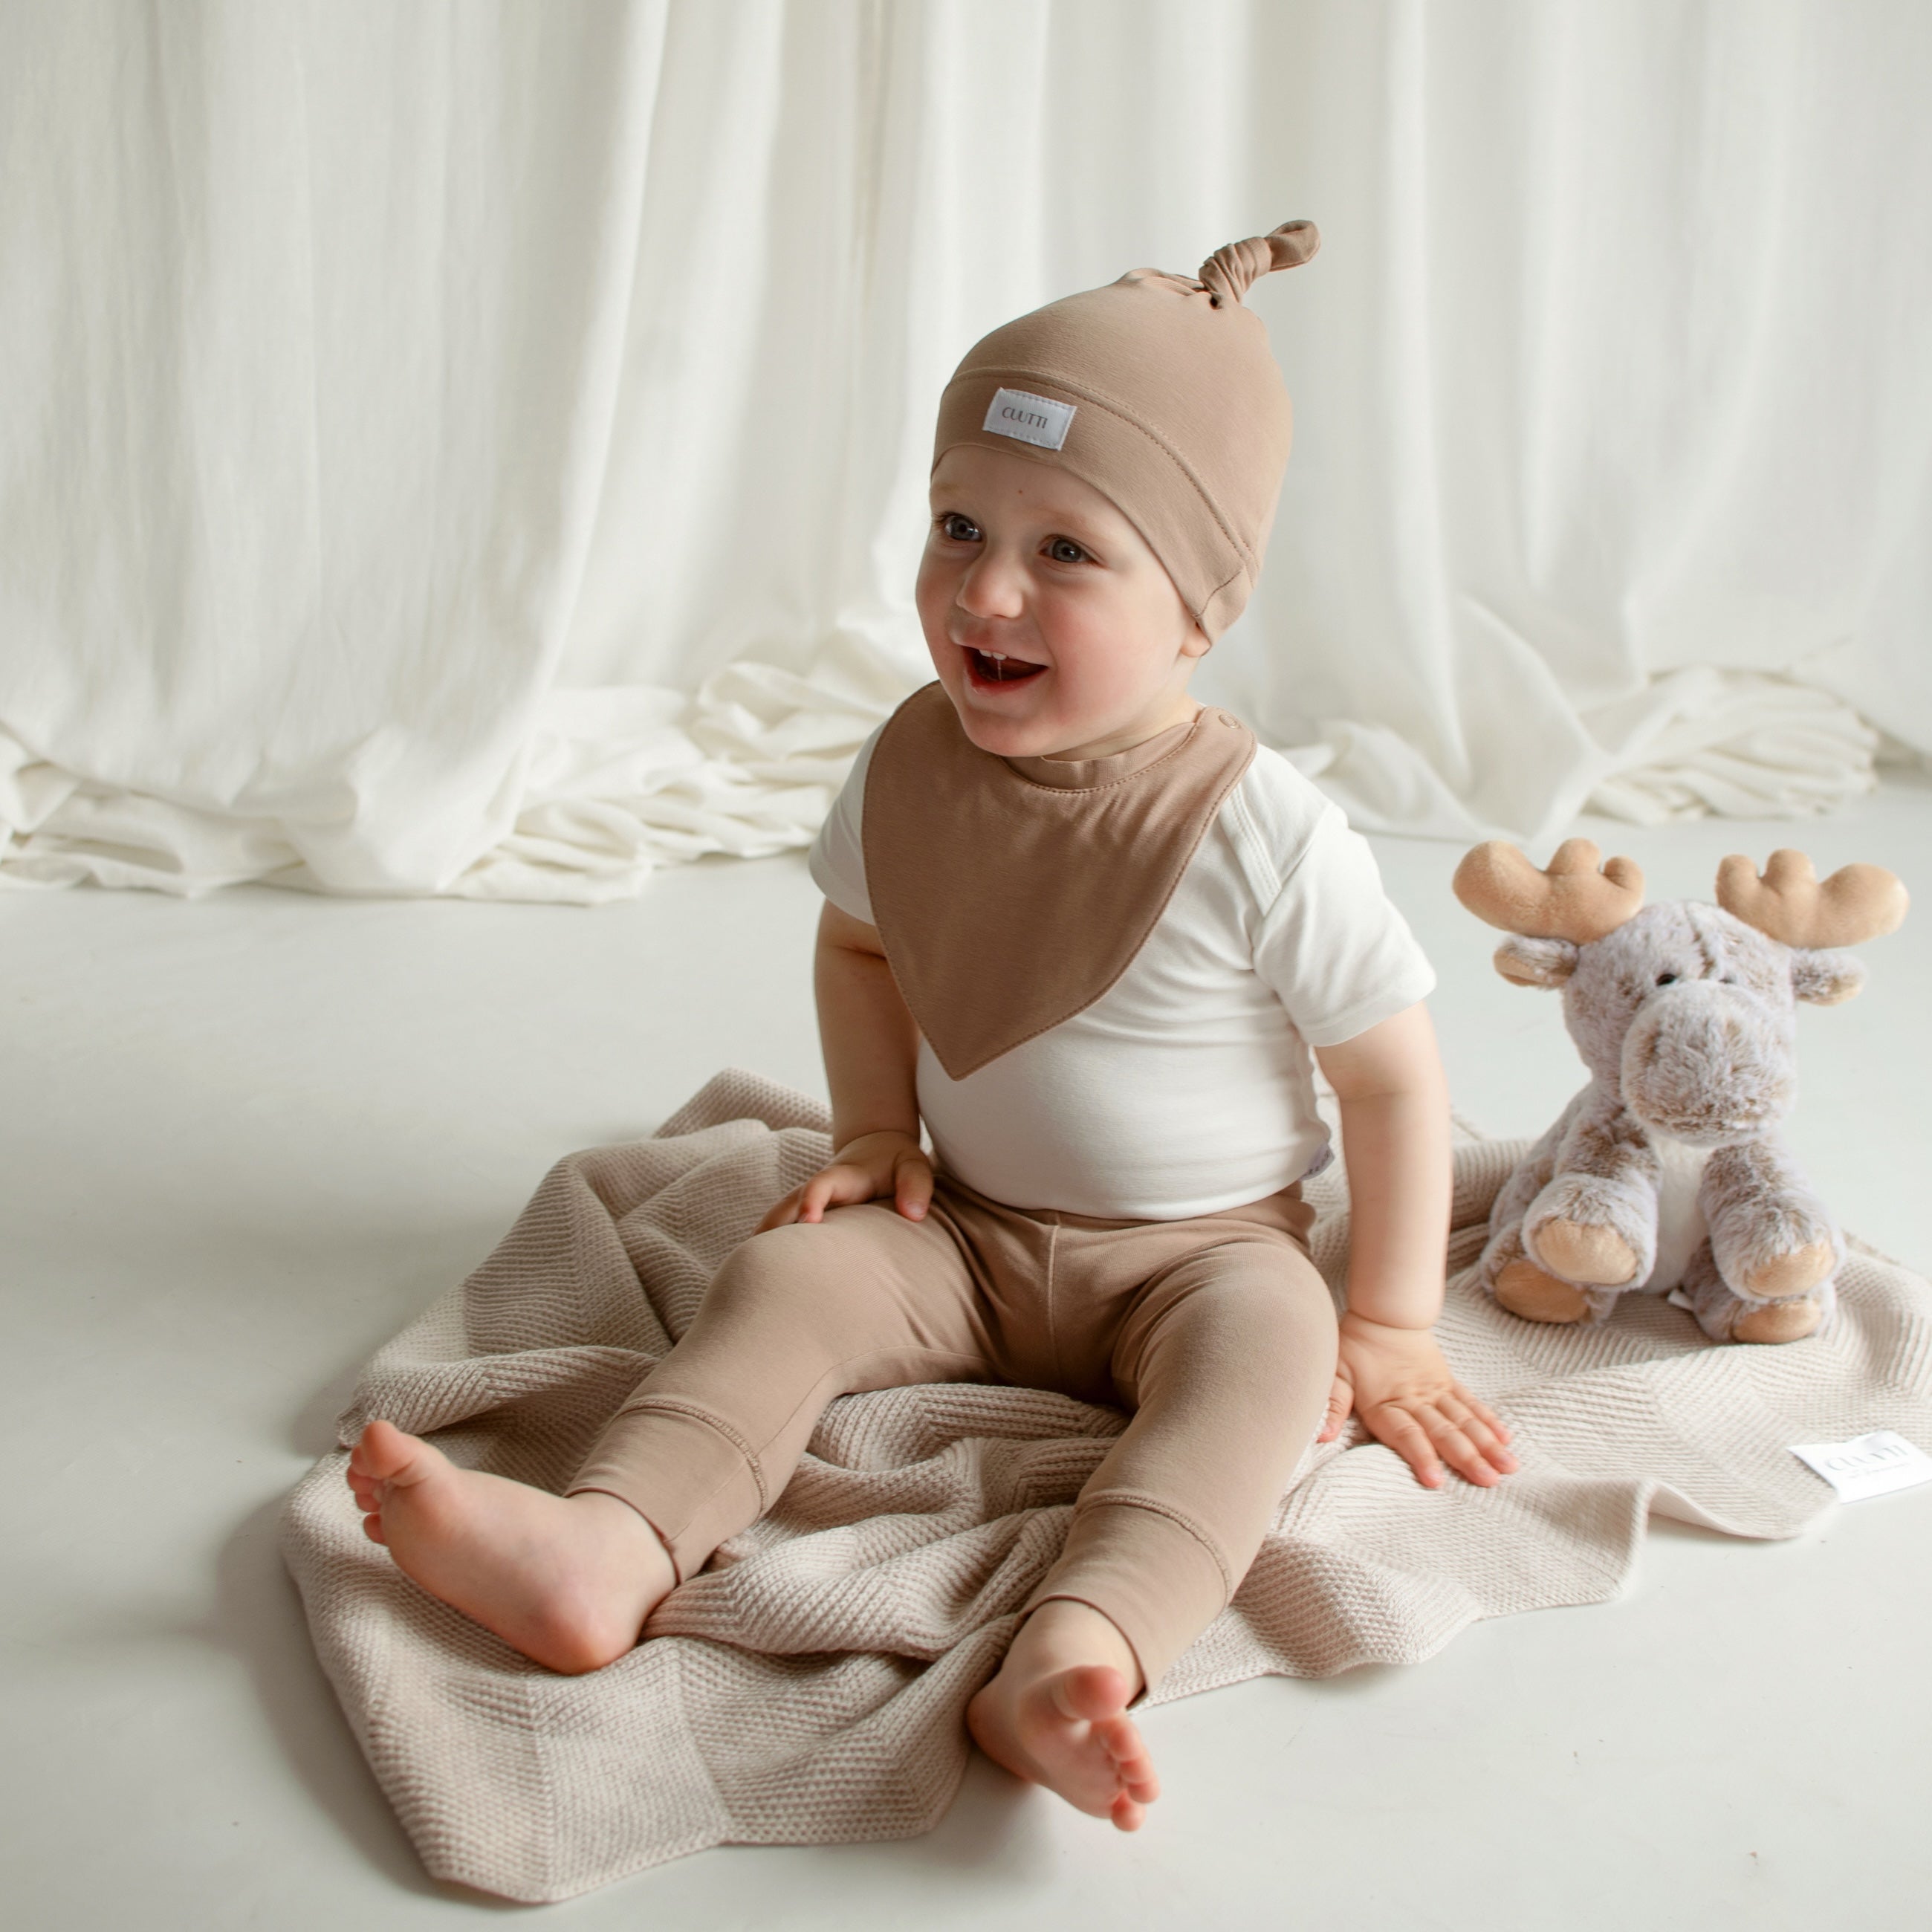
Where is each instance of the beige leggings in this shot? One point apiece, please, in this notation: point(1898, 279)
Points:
point(1216, 1332)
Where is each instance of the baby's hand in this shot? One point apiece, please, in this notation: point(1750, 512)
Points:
point(1397, 1381)
point(888, 1163)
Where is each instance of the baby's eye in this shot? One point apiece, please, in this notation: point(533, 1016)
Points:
point(1064, 549)
point(960, 529)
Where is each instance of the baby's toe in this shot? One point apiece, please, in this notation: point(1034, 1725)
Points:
point(1096, 1692)
point(383, 1452)
point(1134, 1768)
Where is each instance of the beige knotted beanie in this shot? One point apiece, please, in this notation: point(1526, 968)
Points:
point(1162, 394)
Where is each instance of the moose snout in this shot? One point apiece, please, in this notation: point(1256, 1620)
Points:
point(1708, 1063)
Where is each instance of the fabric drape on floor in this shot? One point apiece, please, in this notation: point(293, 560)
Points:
point(809, 1685)
point(482, 449)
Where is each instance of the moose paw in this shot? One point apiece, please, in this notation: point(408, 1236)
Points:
point(1524, 1289)
point(1786, 1321)
point(1597, 1254)
point(1784, 1276)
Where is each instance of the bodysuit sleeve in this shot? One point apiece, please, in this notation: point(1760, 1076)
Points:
point(838, 856)
point(1336, 952)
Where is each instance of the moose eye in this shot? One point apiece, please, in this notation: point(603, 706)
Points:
point(1667, 979)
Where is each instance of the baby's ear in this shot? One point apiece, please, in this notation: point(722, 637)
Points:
point(1536, 962)
point(1826, 979)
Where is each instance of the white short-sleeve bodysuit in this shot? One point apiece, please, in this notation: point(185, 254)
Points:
point(1188, 1086)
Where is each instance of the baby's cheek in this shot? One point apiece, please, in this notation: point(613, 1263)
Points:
point(1104, 668)
point(931, 593)
point(1089, 645)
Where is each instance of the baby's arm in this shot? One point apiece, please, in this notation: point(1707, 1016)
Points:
point(1395, 1135)
point(871, 1045)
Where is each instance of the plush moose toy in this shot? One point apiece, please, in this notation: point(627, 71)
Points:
point(1666, 1171)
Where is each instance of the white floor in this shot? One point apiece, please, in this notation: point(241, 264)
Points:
point(244, 1140)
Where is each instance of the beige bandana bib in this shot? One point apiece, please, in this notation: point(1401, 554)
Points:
point(1011, 894)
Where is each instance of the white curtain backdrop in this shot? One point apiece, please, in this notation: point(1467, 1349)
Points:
point(481, 448)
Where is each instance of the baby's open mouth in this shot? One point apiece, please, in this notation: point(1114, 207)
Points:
point(993, 667)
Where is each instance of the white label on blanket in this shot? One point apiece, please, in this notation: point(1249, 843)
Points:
point(1029, 419)
point(1869, 1466)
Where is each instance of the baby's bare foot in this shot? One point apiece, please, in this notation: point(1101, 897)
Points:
point(1056, 1714)
point(568, 1580)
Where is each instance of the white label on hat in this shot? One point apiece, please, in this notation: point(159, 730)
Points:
point(1029, 418)
point(1868, 1465)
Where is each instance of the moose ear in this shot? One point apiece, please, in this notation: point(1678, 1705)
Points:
point(1536, 962)
point(1826, 979)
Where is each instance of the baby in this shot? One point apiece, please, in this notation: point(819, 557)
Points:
point(1086, 933)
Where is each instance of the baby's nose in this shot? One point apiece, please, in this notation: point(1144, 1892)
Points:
point(992, 587)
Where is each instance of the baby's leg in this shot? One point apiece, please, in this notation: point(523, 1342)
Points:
point(865, 1299)
point(1228, 1358)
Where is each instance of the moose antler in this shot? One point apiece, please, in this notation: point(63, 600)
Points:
point(1577, 899)
point(1856, 903)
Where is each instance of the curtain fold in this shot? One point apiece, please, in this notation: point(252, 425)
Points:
point(481, 449)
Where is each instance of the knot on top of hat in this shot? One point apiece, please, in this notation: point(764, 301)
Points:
point(1228, 273)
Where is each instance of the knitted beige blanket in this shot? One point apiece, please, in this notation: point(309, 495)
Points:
point(808, 1687)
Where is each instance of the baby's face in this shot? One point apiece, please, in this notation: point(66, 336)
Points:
point(1056, 631)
